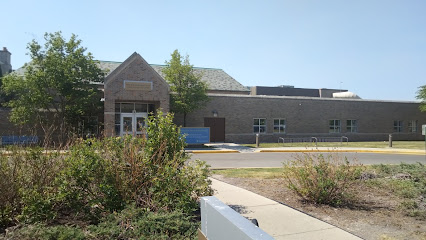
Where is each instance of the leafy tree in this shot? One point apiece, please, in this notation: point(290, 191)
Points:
point(188, 91)
point(421, 95)
point(58, 86)
point(2, 95)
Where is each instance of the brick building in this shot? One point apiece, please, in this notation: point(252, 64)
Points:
point(235, 113)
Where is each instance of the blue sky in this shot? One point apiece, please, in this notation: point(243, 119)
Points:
point(375, 48)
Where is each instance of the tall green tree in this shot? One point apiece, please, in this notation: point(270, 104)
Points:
point(421, 95)
point(2, 95)
point(188, 91)
point(58, 86)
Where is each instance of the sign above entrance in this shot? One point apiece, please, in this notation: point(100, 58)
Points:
point(194, 135)
point(137, 85)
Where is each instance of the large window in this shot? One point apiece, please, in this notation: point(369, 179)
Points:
point(334, 126)
point(279, 125)
point(259, 125)
point(130, 107)
point(412, 126)
point(351, 125)
point(397, 126)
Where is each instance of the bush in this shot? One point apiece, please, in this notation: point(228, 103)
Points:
point(40, 231)
point(27, 185)
point(322, 179)
point(138, 223)
point(130, 223)
point(96, 178)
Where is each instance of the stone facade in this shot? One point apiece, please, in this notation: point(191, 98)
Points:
point(309, 117)
point(122, 86)
point(5, 64)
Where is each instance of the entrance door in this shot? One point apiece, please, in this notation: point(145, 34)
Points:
point(132, 123)
point(217, 129)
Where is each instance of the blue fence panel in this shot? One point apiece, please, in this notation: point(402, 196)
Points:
point(199, 135)
point(21, 140)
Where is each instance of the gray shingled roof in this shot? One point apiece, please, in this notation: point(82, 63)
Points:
point(216, 79)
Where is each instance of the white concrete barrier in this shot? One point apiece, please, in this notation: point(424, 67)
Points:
point(219, 222)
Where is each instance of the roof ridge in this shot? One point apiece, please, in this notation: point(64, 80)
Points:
point(161, 65)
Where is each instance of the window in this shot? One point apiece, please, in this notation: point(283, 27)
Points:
point(334, 126)
point(412, 126)
point(397, 126)
point(259, 125)
point(129, 107)
point(279, 125)
point(351, 125)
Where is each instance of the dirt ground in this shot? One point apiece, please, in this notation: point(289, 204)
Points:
point(377, 214)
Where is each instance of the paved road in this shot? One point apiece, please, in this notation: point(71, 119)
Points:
point(242, 160)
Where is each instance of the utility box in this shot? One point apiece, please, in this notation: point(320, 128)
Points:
point(424, 129)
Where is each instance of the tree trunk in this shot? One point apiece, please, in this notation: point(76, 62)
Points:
point(184, 119)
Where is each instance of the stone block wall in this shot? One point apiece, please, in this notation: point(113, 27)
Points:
point(135, 68)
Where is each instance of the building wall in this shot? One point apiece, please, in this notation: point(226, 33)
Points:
point(228, 92)
point(6, 127)
point(284, 91)
point(309, 117)
point(6, 67)
point(294, 92)
point(135, 68)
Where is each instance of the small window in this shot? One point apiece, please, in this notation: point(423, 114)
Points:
point(334, 126)
point(259, 125)
point(412, 126)
point(397, 126)
point(279, 125)
point(351, 125)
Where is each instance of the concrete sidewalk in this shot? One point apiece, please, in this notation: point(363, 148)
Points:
point(278, 220)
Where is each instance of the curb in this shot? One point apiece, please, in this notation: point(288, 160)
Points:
point(348, 150)
point(211, 151)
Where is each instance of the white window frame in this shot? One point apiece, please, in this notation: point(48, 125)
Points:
point(397, 126)
point(281, 124)
point(352, 126)
point(334, 126)
point(412, 126)
point(259, 125)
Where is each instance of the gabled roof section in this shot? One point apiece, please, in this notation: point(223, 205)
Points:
point(114, 68)
point(216, 79)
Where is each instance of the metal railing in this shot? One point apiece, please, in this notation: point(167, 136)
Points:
point(314, 140)
point(298, 140)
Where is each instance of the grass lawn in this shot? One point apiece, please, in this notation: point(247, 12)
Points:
point(395, 144)
point(388, 200)
point(404, 181)
point(264, 173)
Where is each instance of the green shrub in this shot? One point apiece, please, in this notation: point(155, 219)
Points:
point(27, 185)
point(42, 232)
point(98, 177)
point(132, 223)
point(322, 179)
point(88, 184)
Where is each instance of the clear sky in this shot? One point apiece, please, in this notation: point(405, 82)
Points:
point(374, 48)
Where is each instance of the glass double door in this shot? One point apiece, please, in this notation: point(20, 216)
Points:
point(133, 123)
